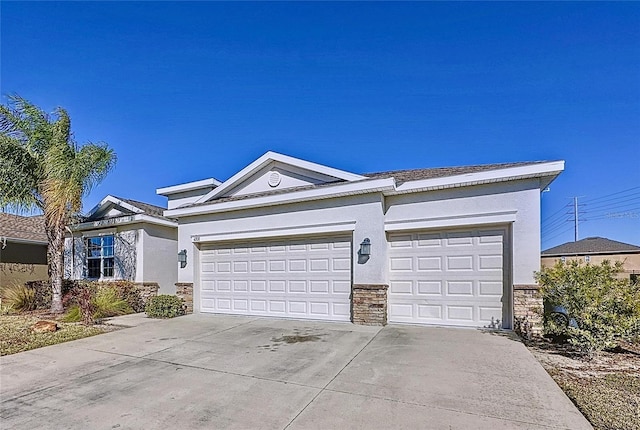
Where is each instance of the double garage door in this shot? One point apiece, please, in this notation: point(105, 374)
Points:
point(447, 278)
point(296, 278)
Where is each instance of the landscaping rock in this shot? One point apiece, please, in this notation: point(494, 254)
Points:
point(45, 327)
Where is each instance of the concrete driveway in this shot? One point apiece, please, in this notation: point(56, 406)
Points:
point(211, 371)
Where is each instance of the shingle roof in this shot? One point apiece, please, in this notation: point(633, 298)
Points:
point(23, 227)
point(147, 208)
point(591, 245)
point(400, 176)
point(441, 172)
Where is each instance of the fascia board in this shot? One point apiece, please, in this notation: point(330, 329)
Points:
point(535, 170)
point(373, 185)
point(188, 186)
point(25, 241)
point(125, 220)
point(274, 156)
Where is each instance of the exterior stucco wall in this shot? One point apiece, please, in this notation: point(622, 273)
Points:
point(160, 250)
point(21, 262)
point(521, 198)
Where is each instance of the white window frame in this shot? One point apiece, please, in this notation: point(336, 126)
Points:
point(102, 258)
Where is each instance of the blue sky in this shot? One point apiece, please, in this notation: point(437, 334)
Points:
point(186, 91)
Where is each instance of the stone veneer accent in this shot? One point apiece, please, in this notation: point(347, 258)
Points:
point(527, 310)
point(184, 290)
point(147, 290)
point(369, 304)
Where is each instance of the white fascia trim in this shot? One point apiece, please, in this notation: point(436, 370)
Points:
point(274, 156)
point(328, 228)
point(125, 220)
point(115, 201)
point(374, 185)
point(25, 241)
point(189, 186)
point(512, 173)
point(451, 221)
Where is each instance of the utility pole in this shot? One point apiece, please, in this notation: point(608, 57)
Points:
point(575, 219)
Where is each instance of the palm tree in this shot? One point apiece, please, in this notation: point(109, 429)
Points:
point(43, 167)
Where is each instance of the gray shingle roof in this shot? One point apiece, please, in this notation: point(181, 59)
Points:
point(591, 245)
point(147, 208)
point(400, 176)
point(23, 227)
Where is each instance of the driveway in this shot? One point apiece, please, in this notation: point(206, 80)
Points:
point(212, 371)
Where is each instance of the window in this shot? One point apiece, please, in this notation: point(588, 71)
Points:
point(563, 259)
point(634, 278)
point(587, 258)
point(100, 257)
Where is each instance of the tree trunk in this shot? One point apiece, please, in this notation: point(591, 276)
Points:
point(55, 255)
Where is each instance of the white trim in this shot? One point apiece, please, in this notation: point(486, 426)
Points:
point(123, 220)
point(274, 156)
point(338, 227)
point(451, 221)
point(511, 173)
point(189, 186)
point(115, 201)
point(97, 233)
point(350, 188)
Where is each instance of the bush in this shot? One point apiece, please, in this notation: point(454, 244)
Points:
point(18, 297)
point(108, 303)
point(73, 314)
point(164, 306)
point(84, 299)
point(605, 308)
point(43, 294)
point(129, 292)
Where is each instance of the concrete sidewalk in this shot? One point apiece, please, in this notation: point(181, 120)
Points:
point(212, 371)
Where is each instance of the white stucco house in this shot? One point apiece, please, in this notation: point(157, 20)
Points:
point(291, 238)
point(123, 239)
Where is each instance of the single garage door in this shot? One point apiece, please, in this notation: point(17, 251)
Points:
point(449, 278)
point(295, 278)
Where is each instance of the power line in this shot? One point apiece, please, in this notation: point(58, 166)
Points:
point(612, 194)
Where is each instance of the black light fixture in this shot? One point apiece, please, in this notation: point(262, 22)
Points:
point(182, 258)
point(365, 247)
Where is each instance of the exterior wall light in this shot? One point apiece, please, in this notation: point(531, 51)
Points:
point(365, 247)
point(182, 258)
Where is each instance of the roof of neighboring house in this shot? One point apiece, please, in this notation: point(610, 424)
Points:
point(591, 245)
point(400, 176)
point(29, 228)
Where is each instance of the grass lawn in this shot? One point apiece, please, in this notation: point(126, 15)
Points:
point(605, 389)
point(16, 334)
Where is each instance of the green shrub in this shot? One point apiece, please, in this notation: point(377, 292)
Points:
point(605, 308)
point(164, 306)
point(73, 314)
point(18, 297)
point(129, 292)
point(108, 303)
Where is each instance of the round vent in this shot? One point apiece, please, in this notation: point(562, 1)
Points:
point(274, 179)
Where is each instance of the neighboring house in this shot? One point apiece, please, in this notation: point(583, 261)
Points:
point(595, 250)
point(290, 238)
point(23, 249)
point(124, 239)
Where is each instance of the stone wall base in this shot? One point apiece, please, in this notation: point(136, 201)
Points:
point(369, 304)
point(184, 290)
point(527, 310)
point(147, 290)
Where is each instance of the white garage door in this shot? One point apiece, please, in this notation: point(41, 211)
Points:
point(295, 278)
point(449, 278)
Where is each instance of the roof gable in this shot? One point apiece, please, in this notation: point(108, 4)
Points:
point(591, 245)
point(275, 171)
point(111, 207)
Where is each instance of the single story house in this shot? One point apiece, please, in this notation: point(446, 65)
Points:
point(123, 239)
point(594, 250)
point(23, 249)
point(290, 238)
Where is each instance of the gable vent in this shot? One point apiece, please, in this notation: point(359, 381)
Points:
point(274, 179)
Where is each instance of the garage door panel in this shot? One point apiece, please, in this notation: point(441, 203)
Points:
point(302, 278)
point(466, 289)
